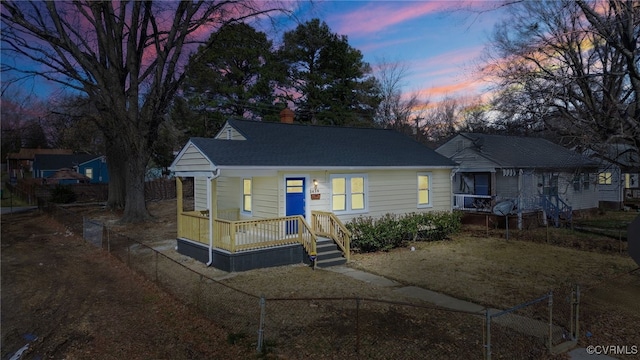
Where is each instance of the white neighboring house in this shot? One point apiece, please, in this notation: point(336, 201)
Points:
point(533, 173)
point(260, 187)
point(618, 175)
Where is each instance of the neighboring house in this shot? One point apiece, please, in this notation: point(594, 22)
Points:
point(618, 175)
point(21, 162)
point(533, 173)
point(94, 167)
point(264, 191)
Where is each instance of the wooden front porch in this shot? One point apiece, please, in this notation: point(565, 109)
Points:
point(220, 237)
point(234, 235)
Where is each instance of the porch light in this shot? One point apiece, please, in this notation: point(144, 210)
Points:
point(315, 182)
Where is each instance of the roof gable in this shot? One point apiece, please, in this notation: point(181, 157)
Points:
point(624, 155)
point(523, 152)
point(295, 145)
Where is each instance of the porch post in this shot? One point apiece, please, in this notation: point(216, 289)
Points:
point(214, 198)
point(493, 186)
point(179, 204)
point(520, 199)
point(213, 214)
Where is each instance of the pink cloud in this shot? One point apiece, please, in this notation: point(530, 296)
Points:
point(377, 17)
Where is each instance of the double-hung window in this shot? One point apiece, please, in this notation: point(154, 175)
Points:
point(424, 187)
point(604, 178)
point(246, 195)
point(349, 193)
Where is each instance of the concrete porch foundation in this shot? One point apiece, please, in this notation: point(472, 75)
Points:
point(245, 260)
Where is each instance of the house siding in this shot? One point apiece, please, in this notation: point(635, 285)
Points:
point(388, 191)
point(611, 192)
point(508, 186)
point(456, 145)
point(200, 193)
point(265, 197)
point(578, 200)
point(99, 169)
point(228, 132)
point(192, 160)
point(229, 192)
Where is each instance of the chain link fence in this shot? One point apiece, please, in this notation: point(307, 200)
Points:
point(369, 329)
point(297, 328)
point(532, 329)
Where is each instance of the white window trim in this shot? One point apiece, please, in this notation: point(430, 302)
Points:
point(348, 178)
point(605, 178)
point(430, 193)
point(242, 210)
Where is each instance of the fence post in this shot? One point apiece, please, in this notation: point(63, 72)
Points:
point(357, 325)
point(263, 306)
point(576, 333)
point(550, 320)
point(487, 345)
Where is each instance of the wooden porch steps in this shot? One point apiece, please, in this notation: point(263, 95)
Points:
point(329, 254)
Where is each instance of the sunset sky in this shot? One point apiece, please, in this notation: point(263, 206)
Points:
point(438, 41)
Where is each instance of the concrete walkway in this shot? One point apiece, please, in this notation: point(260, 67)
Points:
point(433, 297)
point(449, 302)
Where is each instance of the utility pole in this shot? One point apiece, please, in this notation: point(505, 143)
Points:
point(417, 120)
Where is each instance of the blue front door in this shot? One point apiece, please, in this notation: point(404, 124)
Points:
point(295, 197)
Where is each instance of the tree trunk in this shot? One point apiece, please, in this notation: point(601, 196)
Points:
point(117, 164)
point(135, 209)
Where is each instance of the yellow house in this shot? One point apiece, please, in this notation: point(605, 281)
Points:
point(268, 194)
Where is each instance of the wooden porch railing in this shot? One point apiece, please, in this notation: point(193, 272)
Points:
point(235, 236)
point(470, 202)
point(327, 224)
point(194, 225)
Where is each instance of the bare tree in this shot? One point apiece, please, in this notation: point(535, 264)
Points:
point(128, 58)
point(72, 125)
point(444, 119)
point(21, 114)
point(398, 109)
point(565, 66)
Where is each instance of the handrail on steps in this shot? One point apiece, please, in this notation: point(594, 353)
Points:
point(554, 206)
point(327, 224)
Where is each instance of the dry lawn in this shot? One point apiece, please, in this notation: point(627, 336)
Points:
point(490, 271)
point(496, 272)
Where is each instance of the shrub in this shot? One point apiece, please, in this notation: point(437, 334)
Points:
point(62, 194)
point(391, 231)
point(371, 234)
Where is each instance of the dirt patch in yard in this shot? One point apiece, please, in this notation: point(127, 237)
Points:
point(70, 300)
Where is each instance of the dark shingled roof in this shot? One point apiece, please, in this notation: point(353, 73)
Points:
point(277, 144)
point(527, 152)
point(56, 162)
